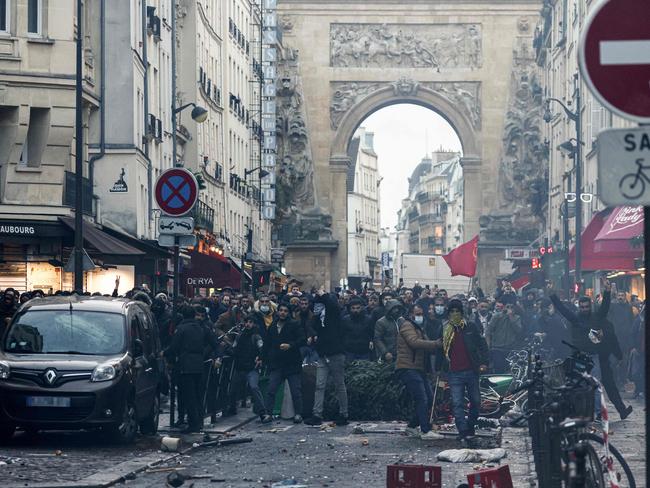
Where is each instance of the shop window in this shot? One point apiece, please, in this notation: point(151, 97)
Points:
point(4, 16)
point(36, 140)
point(35, 17)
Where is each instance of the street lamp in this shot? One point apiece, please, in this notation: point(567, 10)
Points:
point(576, 152)
point(249, 234)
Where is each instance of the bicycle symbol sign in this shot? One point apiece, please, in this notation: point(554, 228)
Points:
point(176, 191)
point(624, 166)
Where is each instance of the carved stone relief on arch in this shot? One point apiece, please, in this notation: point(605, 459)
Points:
point(434, 46)
point(465, 95)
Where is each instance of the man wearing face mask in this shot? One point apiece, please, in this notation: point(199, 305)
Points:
point(414, 351)
point(328, 335)
point(592, 333)
point(264, 314)
point(386, 329)
point(467, 356)
point(440, 308)
point(358, 333)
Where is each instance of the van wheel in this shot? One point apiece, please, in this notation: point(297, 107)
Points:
point(149, 425)
point(6, 432)
point(127, 429)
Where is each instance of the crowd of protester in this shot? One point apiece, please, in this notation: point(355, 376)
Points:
point(419, 331)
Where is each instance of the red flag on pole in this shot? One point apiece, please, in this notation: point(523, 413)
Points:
point(462, 260)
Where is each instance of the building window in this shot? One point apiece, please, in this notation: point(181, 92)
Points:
point(34, 16)
point(4, 16)
point(36, 140)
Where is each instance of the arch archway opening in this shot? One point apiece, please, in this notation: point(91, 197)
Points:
point(404, 190)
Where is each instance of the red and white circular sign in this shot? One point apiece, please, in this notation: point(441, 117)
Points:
point(176, 191)
point(614, 56)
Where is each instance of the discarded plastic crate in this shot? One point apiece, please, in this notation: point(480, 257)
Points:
point(491, 478)
point(413, 476)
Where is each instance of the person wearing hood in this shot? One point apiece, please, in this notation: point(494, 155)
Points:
point(554, 331)
point(187, 349)
point(358, 333)
point(414, 351)
point(328, 335)
point(592, 333)
point(8, 308)
point(386, 330)
point(264, 314)
point(466, 354)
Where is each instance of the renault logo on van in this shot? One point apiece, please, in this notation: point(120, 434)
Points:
point(50, 376)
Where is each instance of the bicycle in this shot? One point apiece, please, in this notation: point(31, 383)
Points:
point(559, 428)
point(629, 182)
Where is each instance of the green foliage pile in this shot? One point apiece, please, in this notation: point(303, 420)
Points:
point(374, 393)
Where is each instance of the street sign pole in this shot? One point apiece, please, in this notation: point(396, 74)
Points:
point(78, 184)
point(646, 261)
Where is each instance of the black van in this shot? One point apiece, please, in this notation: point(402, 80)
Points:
point(81, 362)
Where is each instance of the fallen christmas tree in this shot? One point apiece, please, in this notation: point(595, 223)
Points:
point(374, 393)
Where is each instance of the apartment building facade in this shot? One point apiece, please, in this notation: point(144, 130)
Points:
point(364, 217)
point(431, 218)
point(556, 44)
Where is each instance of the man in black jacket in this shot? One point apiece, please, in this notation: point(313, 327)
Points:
point(281, 353)
point(188, 348)
point(358, 333)
point(246, 351)
point(592, 333)
point(328, 335)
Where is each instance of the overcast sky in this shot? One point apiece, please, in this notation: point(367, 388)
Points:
point(404, 134)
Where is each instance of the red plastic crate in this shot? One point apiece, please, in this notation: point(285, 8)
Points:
point(491, 478)
point(413, 476)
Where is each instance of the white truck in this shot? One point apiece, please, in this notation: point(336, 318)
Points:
point(430, 269)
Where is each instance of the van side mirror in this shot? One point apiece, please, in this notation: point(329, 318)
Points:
point(138, 348)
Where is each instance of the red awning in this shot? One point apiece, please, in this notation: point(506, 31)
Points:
point(622, 223)
point(607, 255)
point(210, 271)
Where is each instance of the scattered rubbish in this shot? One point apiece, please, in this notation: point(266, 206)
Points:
point(293, 483)
point(171, 444)
point(365, 443)
point(472, 455)
point(4, 460)
point(302, 441)
point(176, 479)
point(49, 454)
point(163, 470)
point(226, 442)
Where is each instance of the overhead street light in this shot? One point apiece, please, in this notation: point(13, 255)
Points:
point(575, 151)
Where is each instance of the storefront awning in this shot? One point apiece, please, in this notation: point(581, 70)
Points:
point(623, 223)
point(605, 254)
point(103, 242)
point(150, 248)
point(210, 271)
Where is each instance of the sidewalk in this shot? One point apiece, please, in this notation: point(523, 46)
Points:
point(628, 436)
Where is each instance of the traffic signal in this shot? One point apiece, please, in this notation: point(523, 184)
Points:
point(536, 263)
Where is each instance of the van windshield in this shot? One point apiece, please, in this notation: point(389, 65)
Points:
point(66, 332)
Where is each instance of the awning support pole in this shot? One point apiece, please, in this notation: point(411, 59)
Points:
point(646, 260)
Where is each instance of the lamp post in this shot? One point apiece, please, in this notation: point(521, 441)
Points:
point(249, 234)
point(576, 118)
point(79, 159)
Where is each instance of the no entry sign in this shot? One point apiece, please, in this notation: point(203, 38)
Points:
point(176, 191)
point(614, 56)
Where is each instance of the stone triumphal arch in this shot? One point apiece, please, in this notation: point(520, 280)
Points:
point(472, 61)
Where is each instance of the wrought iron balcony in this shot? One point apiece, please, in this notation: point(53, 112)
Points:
point(203, 216)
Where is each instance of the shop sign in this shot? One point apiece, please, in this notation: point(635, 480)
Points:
point(200, 282)
point(17, 230)
point(120, 185)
